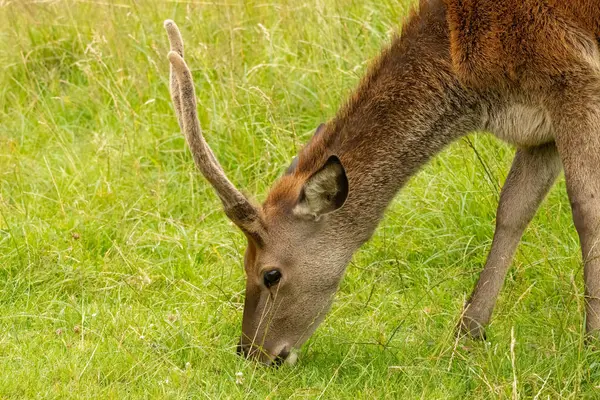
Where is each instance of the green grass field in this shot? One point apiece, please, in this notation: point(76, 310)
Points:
point(120, 277)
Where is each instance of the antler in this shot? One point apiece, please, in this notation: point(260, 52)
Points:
point(237, 207)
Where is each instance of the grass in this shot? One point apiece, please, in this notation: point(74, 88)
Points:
point(121, 278)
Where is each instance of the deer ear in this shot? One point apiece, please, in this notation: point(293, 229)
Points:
point(324, 192)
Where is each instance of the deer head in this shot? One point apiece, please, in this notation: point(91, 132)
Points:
point(293, 262)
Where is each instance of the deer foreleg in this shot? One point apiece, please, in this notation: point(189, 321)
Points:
point(532, 174)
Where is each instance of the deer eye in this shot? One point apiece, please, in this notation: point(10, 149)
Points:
point(272, 277)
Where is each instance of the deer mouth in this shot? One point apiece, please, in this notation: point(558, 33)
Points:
point(283, 355)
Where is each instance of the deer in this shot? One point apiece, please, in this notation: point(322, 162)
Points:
point(527, 71)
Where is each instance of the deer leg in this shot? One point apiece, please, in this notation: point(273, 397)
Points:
point(531, 176)
point(578, 141)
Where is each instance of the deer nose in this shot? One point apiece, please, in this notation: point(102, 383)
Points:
point(281, 357)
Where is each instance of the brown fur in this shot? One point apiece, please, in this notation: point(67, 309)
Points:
point(526, 42)
point(526, 70)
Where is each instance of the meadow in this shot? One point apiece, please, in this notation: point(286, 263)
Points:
point(120, 277)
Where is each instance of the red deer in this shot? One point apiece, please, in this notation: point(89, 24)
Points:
point(526, 70)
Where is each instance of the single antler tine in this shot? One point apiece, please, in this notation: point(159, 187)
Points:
point(174, 37)
point(193, 133)
point(237, 207)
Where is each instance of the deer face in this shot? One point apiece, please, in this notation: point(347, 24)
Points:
point(293, 274)
point(294, 261)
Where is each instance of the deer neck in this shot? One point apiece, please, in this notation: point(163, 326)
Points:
point(407, 109)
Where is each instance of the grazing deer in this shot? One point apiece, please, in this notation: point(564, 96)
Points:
point(526, 70)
